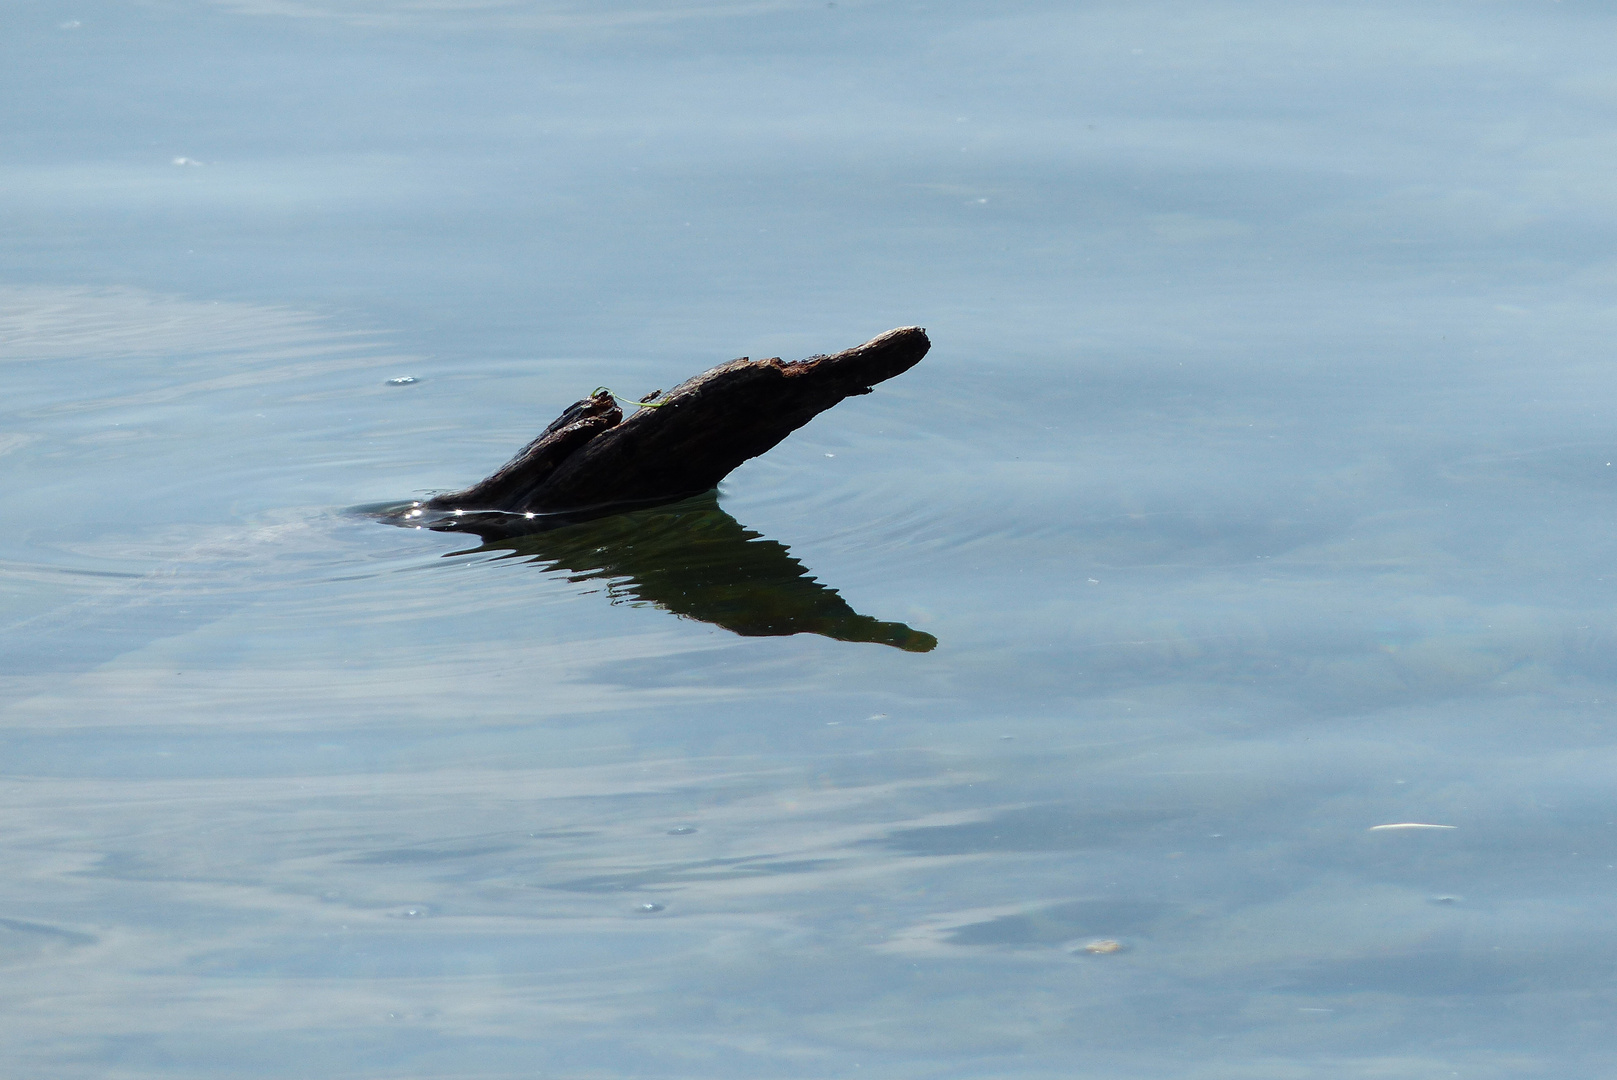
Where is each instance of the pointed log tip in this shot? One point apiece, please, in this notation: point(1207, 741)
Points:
point(909, 337)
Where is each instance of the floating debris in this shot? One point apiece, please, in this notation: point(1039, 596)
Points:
point(1103, 947)
point(682, 830)
point(403, 380)
point(592, 462)
point(1410, 825)
point(649, 909)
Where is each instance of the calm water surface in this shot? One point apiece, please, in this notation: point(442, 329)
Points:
point(1258, 491)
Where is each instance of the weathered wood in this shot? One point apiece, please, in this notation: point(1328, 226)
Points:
point(513, 486)
point(591, 461)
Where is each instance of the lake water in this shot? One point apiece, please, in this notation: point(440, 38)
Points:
point(1258, 491)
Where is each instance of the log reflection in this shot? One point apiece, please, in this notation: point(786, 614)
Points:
point(695, 560)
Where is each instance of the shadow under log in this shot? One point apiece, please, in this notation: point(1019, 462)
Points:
point(694, 560)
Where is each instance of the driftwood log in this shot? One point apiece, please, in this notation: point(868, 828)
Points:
point(578, 498)
point(592, 461)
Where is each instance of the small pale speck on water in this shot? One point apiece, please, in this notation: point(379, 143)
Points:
point(682, 830)
point(402, 380)
point(1103, 947)
point(649, 909)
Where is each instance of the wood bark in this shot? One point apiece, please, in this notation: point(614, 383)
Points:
point(593, 461)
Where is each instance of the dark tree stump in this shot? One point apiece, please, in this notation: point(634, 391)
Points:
point(591, 461)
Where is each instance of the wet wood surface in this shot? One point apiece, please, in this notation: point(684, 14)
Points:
point(592, 460)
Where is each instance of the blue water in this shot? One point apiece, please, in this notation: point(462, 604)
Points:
point(1258, 491)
